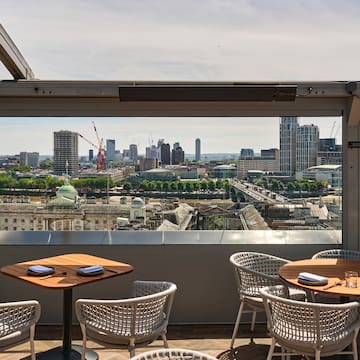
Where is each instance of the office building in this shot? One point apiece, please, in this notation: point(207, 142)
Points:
point(133, 152)
point(110, 150)
point(197, 149)
point(288, 128)
point(307, 145)
point(327, 144)
point(148, 164)
point(30, 159)
point(91, 155)
point(269, 161)
point(246, 152)
point(177, 154)
point(165, 154)
point(66, 152)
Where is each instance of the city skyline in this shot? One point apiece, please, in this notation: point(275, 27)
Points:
point(218, 135)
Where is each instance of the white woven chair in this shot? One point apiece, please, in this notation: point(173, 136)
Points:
point(173, 354)
point(337, 254)
point(128, 322)
point(17, 324)
point(253, 271)
point(310, 329)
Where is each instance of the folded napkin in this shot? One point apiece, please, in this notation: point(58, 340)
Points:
point(90, 270)
point(312, 278)
point(40, 270)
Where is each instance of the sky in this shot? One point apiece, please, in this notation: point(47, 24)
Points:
point(202, 40)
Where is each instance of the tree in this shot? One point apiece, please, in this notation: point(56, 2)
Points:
point(196, 186)
point(204, 185)
point(211, 185)
point(144, 185)
point(127, 186)
point(189, 187)
point(173, 186)
point(180, 186)
point(159, 185)
point(46, 164)
point(219, 184)
point(166, 186)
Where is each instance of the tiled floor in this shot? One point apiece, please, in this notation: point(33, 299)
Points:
point(213, 340)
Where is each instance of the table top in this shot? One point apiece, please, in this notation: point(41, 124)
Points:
point(333, 269)
point(65, 275)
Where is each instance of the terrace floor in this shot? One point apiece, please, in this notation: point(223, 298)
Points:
point(210, 339)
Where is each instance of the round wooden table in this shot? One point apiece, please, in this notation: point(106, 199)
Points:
point(333, 269)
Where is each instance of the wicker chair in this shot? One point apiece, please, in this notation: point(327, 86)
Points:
point(253, 271)
point(128, 322)
point(337, 254)
point(173, 354)
point(17, 323)
point(310, 329)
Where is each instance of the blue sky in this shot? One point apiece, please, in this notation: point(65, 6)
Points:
point(204, 40)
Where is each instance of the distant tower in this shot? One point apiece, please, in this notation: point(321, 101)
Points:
point(307, 145)
point(177, 154)
point(288, 129)
point(197, 149)
point(165, 154)
point(110, 150)
point(91, 155)
point(66, 151)
point(133, 152)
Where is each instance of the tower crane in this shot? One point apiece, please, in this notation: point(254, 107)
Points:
point(99, 147)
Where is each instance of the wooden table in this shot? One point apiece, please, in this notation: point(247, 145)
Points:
point(333, 269)
point(65, 278)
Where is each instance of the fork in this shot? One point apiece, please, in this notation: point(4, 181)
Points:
point(51, 275)
point(336, 283)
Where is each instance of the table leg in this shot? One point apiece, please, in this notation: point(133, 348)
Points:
point(67, 320)
point(67, 351)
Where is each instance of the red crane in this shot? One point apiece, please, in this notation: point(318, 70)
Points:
point(99, 147)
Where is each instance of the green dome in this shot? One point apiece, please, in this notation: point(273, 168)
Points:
point(67, 191)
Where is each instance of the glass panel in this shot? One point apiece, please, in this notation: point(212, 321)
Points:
point(170, 175)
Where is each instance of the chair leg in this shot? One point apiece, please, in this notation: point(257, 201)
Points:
point(253, 318)
point(237, 323)
point(317, 354)
point(271, 350)
point(166, 345)
point(32, 345)
point(84, 340)
point(131, 348)
point(354, 345)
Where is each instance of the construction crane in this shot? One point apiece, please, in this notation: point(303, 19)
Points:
point(100, 148)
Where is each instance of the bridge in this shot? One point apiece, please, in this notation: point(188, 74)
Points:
point(257, 194)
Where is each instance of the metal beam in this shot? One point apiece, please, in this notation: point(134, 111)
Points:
point(101, 98)
point(11, 57)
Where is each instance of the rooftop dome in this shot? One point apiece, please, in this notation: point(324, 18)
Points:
point(67, 191)
point(137, 202)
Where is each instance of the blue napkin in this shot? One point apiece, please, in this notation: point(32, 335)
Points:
point(91, 269)
point(40, 269)
point(312, 277)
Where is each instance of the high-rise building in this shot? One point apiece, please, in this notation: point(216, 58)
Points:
point(110, 150)
point(307, 145)
point(30, 159)
point(165, 154)
point(91, 154)
point(288, 128)
point(66, 152)
point(133, 152)
point(177, 154)
point(197, 149)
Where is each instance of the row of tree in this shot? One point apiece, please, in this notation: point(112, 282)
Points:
point(176, 186)
point(298, 185)
point(50, 183)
